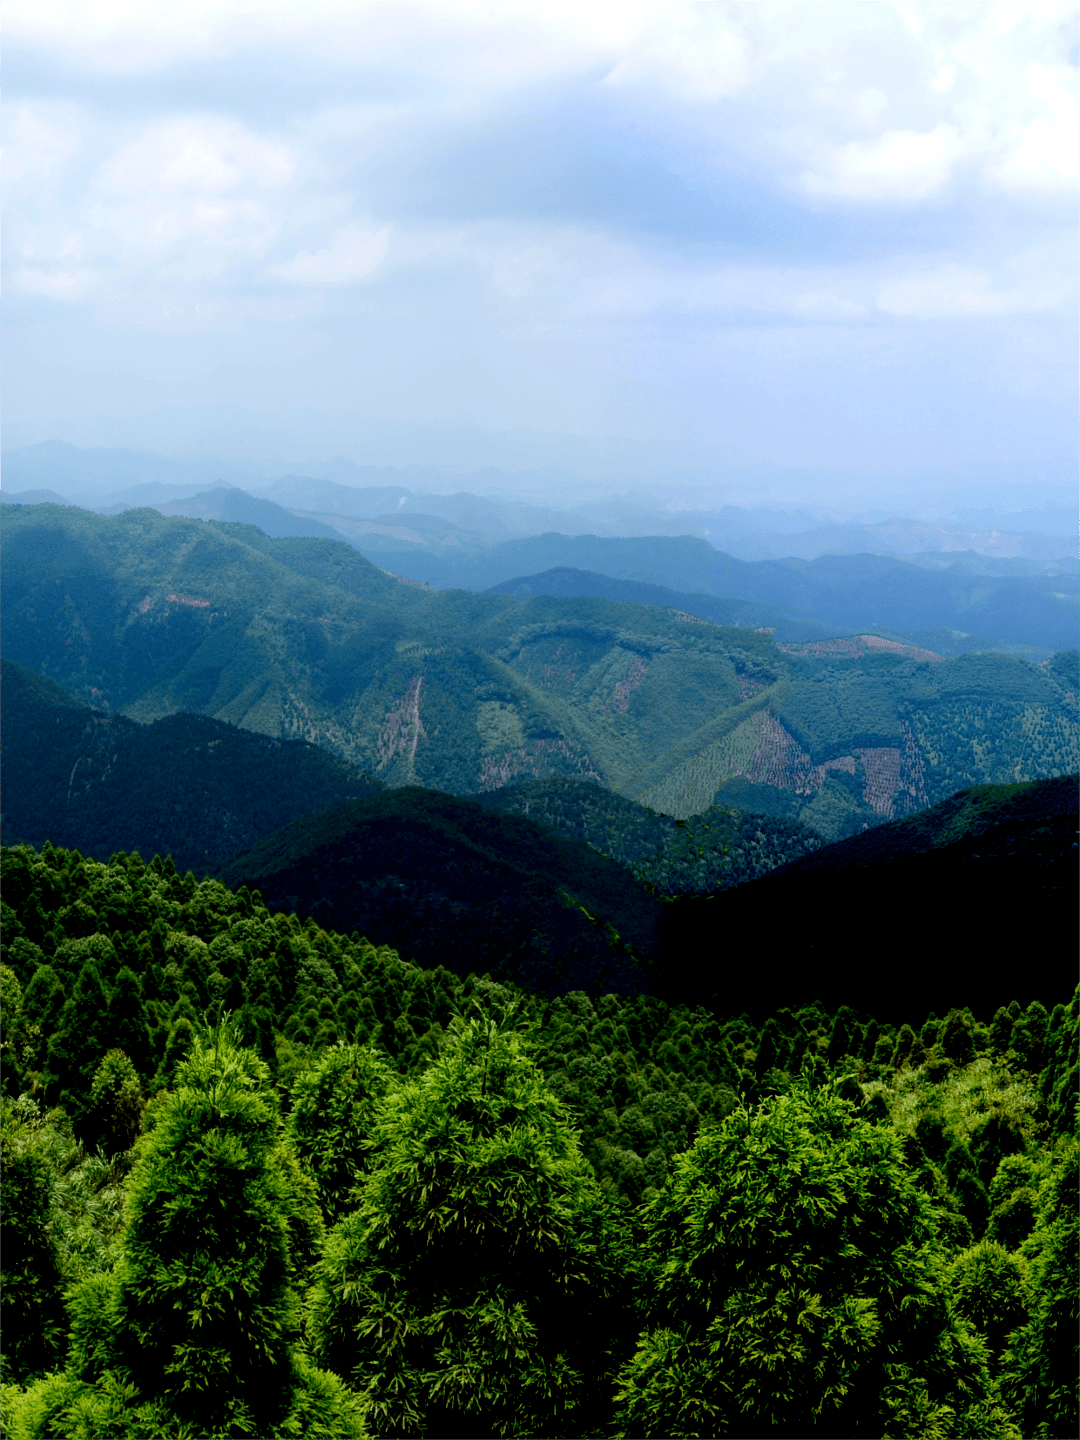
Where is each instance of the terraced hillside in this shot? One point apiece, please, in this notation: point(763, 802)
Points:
point(304, 639)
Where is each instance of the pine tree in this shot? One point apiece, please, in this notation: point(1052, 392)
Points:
point(333, 1109)
point(126, 1028)
point(31, 1307)
point(42, 1002)
point(1042, 1362)
point(189, 1335)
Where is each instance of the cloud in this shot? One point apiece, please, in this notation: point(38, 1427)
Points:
point(492, 187)
point(947, 290)
point(355, 253)
point(197, 155)
point(898, 165)
point(1044, 152)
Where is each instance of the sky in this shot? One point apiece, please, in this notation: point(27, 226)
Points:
point(651, 239)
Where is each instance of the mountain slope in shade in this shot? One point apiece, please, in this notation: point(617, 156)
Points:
point(718, 849)
point(186, 786)
point(445, 881)
point(969, 902)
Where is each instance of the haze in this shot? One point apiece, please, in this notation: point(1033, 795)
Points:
point(758, 251)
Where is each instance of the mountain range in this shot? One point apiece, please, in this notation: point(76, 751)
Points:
point(302, 638)
point(964, 600)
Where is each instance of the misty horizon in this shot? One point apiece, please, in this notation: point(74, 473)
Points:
point(773, 254)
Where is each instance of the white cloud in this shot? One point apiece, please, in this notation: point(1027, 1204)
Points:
point(950, 290)
point(880, 105)
point(1044, 153)
point(38, 141)
point(354, 254)
point(202, 155)
point(898, 165)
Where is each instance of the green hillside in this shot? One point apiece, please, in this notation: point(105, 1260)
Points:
point(186, 786)
point(466, 693)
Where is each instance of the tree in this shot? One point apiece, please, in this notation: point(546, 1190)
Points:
point(1042, 1362)
point(115, 1110)
point(333, 1109)
point(800, 1290)
point(126, 1027)
point(465, 1295)
point(195, 1322)
point(78, 1043)
point(988, 1286)
point(31, 1309)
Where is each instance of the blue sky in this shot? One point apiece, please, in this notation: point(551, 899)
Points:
point(833, 237)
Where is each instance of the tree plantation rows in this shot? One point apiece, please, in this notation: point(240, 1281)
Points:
point(264, 1179)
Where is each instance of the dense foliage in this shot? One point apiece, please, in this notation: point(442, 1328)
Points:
point(391, 1200)
point(716, 850)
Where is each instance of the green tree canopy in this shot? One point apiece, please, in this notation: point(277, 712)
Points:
point(195, 1322)
point(459, 1297)
point(799, 1288)
point(31, 1310)
point(333, 1109)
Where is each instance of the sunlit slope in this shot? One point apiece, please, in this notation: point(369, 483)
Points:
point(463, 692)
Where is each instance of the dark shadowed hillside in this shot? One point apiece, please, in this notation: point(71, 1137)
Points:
point(186, 786)
point(447, 882)
point(974, 897)
point(715, 850)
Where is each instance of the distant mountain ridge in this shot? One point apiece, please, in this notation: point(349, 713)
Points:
point(855, 592)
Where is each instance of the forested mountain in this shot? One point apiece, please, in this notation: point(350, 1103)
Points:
point(614, 1176)
point(186, 786)
point(444, 881)
point(304, 639)
point(720, 848)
